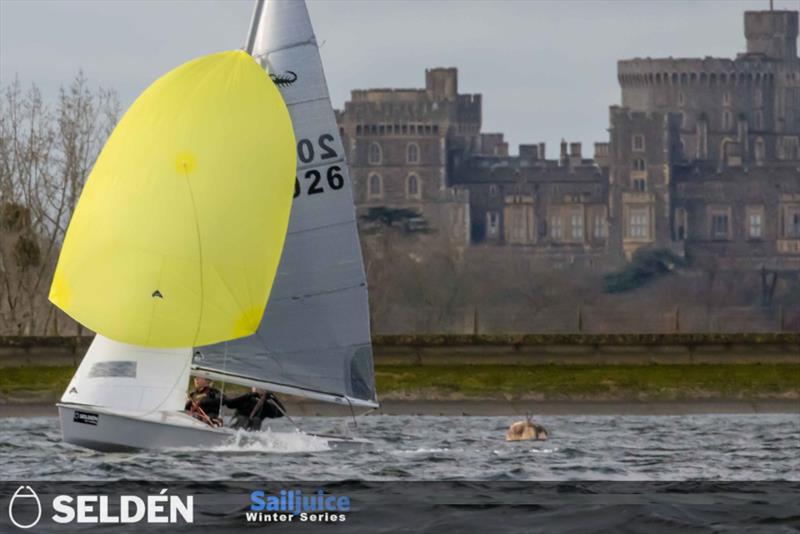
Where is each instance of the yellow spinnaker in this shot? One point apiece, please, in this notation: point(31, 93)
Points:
point(177, 235)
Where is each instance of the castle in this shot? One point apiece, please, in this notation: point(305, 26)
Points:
point(703, 158)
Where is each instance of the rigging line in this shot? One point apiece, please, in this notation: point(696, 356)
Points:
point(352, 412)
point(225, 369)
point(286, 415)
point(199, 250)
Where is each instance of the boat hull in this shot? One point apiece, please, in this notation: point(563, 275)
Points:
point(86, 426)
point(95, 428)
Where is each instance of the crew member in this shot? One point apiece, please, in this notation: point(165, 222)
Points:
point(204, 401)
point(253, 407)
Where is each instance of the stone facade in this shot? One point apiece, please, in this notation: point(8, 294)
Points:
point(401, 144)
point(703, 157)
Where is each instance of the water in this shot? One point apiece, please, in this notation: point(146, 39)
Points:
point(649, 448)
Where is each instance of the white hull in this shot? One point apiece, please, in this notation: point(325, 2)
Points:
point(101, 430)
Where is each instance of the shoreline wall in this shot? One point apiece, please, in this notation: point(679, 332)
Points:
point(534, 349)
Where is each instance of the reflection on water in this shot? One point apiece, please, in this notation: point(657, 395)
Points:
point(722, 447)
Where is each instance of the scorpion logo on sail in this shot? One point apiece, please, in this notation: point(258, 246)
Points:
point(283, 80)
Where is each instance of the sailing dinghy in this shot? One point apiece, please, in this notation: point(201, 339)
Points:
point(313, 340)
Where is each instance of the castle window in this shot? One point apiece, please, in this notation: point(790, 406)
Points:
point(412, 186)
point(638, 142)
point(755, 222)
point(375, 186)
point(492, 190)
point(492, 224)
point(727, 120)
point(358, 129)
point(375, 154)
point(791, 148)
point(639, 223)
point(681, 223)
point(791, 221)
point(720, 223)
point(759, 122)
point(412, 153)
point(600, 226)
point(639, 184)
point(760, 150)
point(639, 164)
point(681, 99)
point(576, 224)
point(726, 98)
point(405, 129)
point(758, 97)
point(556, 229)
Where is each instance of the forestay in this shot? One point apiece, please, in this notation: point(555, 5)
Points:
point(314, 338)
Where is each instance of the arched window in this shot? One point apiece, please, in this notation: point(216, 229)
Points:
point(727, 120)
point(760, 150)
point(375, 154)
point(375, 186)
point(759, 120)
point(681, 98)
point(681, 224)
point(412, 153)
point(726, 98)
point(412, 186)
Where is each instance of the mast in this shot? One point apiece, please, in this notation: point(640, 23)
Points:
point(251, 37)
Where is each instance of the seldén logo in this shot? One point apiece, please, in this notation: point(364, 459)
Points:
point(290, 505)
point(25, 508)
point(23, 501)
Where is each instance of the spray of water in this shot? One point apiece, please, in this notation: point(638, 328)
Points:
point(273, 442)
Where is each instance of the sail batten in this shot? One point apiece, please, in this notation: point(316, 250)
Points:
point(314, 338)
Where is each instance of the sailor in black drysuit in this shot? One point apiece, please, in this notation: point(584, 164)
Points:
point(252, 408)
point(204, 402)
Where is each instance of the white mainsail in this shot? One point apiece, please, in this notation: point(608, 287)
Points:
point(314, 339)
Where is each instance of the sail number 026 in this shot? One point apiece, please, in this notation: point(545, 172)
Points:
point(333, 176)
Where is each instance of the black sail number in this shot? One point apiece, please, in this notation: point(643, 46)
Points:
point(335, 179)
point(327, 151)
point(315, 176)
point(306, 151)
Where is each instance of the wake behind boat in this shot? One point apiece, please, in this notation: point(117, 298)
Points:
point(313, 340)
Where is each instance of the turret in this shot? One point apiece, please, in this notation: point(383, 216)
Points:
point(771, 33)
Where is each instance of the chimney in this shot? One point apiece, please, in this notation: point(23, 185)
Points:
point(542, 154)
point(564, 158)
point(529, 151)
point(575, 158)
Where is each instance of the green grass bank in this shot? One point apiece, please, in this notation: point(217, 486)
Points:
point(32, 384)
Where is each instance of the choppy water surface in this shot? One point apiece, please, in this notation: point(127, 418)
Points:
point(720, 447)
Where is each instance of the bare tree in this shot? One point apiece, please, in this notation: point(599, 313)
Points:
point(46, 154)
